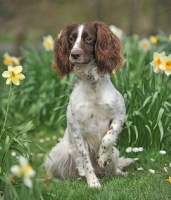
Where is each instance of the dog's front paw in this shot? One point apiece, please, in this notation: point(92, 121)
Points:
point(93, 181)
point(103, 160)
point(94, 184)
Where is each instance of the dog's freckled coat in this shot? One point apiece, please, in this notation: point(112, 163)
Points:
point(96, 110)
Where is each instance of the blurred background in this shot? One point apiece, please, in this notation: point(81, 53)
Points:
point(26, 21)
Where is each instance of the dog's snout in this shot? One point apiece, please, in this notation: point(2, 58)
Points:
point(75, 54)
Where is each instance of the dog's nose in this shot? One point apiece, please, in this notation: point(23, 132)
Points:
point(75, 54)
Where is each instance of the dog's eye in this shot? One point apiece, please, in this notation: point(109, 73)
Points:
point(71, 39)
point(88, 39)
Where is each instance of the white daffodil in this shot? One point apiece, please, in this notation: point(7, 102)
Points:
point(166, 64)
point(152, 171)
point(23, 170)
point(162, 152)
point(170, 165)
point(129, 149)
point(144, 44)
point(117, 31)
point(10, 60)
point(6, 59)
point(48, 42)
point(157, 61)
point(13, 74)
point(15, 61)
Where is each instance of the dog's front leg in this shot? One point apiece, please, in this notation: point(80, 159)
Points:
point(106, 148)
point(82, 148)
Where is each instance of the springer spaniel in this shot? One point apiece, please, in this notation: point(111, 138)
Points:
point(96, 110)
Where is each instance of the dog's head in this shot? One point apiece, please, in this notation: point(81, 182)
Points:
point(85, 43)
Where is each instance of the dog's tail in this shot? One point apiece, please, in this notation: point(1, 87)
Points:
point(124, 162)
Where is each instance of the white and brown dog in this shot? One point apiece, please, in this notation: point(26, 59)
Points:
point(96, 110)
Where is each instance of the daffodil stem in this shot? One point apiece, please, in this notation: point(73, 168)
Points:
point(9, 97)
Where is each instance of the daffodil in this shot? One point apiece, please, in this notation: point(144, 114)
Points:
point(170, 37)
point(23, 170)
point(6, 59)
point(144, 44)
point(13, 74)
point(166, 65)
point(11, 60)
point(169, 179)
point(153, 39)
point(15, 61)
point(48, 42)
point(117, 31)
point(157, 61)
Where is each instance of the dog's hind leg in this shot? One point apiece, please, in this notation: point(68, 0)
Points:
point(60, 162)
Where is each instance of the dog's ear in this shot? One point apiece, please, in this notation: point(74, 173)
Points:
point(61, 54)
point(107, 49)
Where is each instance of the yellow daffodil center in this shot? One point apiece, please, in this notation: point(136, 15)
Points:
point(168, 64)
point(25, 168)
point(158, 61)
point(7, 60)
point(48, 43)
point(169, 179)
point(12, 74)
point(144, 44)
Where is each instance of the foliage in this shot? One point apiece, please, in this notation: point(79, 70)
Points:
point(37, 108)
point(147, 97)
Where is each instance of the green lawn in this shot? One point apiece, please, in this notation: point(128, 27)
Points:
point(139, 184)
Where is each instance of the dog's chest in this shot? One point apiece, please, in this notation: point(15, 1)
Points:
point(93, 107)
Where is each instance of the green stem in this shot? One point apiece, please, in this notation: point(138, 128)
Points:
point(9, 97)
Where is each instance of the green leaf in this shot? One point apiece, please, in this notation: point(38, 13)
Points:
point(145, 102)
point(160, 125)
point(161, 111)
point(149, 130)
point(136, 134)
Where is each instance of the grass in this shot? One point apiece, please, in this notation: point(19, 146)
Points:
point(140, 185)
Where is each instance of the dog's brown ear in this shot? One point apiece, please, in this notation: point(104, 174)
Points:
point(107, 49)
point(61, 54)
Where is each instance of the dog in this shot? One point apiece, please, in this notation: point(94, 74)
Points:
point(96, 110)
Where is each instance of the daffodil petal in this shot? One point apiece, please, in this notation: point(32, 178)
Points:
point(10, 68)
point(30, 172)
point(167, 72)
point(156, 69)
point(15, 169)
point(17, 69)
point(16, 81)
point(22, 160)
point(6, 74)
point(8, 81)
point(27, 182)
point(20, 76)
